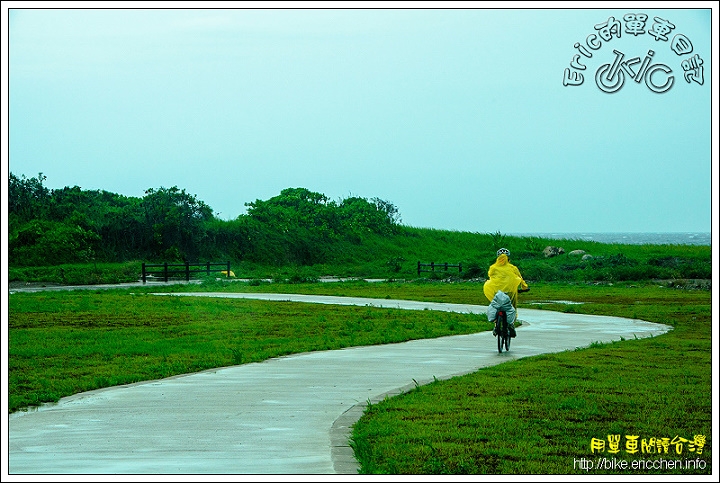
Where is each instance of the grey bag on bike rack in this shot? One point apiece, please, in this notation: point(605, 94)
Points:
point(501, 301)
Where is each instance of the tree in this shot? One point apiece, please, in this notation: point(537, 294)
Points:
point(304, 227)
point(361, 216)
point(297, 226)
point(42, 242)
point(27, 197)
point(176, 221)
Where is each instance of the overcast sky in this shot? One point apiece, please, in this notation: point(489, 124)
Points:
point(459, 117)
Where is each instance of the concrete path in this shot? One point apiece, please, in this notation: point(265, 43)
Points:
point(291, 415)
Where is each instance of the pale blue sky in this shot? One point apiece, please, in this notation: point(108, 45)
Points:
point(458, 117)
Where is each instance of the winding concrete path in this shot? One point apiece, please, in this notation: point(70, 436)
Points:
point(290, 415)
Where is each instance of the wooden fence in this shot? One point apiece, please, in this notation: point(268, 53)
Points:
point(430, 267)
point(167, 270)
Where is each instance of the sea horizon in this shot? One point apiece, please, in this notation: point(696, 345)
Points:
point(631, 238)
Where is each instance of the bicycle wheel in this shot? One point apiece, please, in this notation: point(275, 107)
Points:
point(507, 340)
point(501, 330)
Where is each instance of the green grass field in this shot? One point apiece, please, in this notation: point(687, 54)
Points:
point(539, 415)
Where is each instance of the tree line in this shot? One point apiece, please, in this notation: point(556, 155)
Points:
point(72, 225)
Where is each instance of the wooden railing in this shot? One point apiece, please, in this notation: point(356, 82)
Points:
point(432, 267)
point(168, 270)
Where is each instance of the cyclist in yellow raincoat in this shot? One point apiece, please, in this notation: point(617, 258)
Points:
point(505, 277)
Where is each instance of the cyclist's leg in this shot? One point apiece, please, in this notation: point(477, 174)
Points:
point(511, 325)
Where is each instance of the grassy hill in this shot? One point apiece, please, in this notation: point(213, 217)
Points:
point(395, 256)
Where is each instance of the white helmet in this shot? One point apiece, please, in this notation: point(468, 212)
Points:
point(503, 250)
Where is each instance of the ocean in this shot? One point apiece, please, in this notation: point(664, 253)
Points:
point(690, 238)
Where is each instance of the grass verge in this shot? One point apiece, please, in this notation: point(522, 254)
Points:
point(558, 413)
point(62, 343)
point(533, 416)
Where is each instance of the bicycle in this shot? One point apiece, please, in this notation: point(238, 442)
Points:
point(502, 328)
point(502, 331)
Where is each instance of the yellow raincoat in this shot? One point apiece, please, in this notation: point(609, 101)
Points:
point(503, 275)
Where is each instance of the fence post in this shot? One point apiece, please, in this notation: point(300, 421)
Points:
point(432, 267)
point(228, 269)
point(166, 273)
point(418, 268)
point(208, 268)
point(187, 271)
point(446, 264)
point(459, 266)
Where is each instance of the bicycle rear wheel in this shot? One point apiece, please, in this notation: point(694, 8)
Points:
point(507, 340)
point(501, 330)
